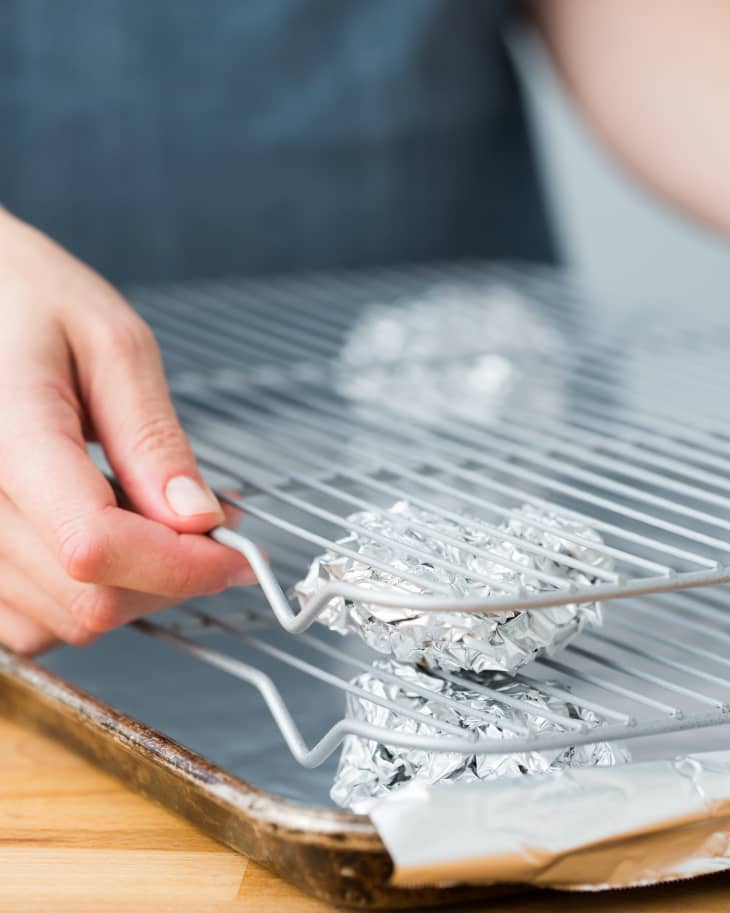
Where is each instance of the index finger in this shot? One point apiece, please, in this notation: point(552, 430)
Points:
point(47, 472)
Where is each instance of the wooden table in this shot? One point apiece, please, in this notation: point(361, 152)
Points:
point(74, 839)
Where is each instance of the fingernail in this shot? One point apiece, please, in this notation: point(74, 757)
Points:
point(244, 577)
point(188, 497)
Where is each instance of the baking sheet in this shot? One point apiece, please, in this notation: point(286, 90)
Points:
point(206, 710)
point(226, 720)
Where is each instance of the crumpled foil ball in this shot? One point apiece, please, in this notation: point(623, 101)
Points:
point(458, 349)
point(368, 769)
point(475, 642)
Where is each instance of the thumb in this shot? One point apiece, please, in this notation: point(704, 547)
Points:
point(124, 389)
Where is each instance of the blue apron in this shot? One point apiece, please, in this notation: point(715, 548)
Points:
point(181, 138)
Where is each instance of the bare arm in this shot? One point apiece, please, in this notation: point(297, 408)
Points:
point(653, 77)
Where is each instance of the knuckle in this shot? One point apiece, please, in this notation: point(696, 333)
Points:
point(186, 579)
point(212, 581)
point(215, 584)
point(83, 551)
point(127, 336)
point(180, 581)
point(94, 611)
point(77, 635)
point(158, 434)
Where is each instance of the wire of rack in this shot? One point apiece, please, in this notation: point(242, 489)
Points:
point(657, 492)
point(636, 682)
point(255, 375)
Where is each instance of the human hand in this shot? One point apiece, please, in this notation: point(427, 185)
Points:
point(77, 364)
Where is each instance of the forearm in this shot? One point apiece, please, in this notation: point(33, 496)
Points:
point(653, 78)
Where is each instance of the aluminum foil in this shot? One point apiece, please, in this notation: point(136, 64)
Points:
point(458, 349)
point(457, 640)
point(368, 769)
point(576, 830)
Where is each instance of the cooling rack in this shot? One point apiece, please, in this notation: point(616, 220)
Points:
point(256, 379)
point(256, 372)
point(657, 666)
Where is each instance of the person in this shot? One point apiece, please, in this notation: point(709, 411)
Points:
point(181, 139)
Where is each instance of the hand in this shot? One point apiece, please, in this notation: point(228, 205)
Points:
point(76, 364)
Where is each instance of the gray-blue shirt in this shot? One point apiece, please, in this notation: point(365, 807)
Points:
point(182, 138)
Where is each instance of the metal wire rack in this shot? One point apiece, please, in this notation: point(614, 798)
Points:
point(658, 666)
point(654, 485)
point(254, 373)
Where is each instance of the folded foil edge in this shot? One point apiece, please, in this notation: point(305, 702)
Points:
point(587, 829)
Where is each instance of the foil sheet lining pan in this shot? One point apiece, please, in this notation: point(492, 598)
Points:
point(581, 829)
point(475, 642)
point(368, 769)
point(457, 349)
